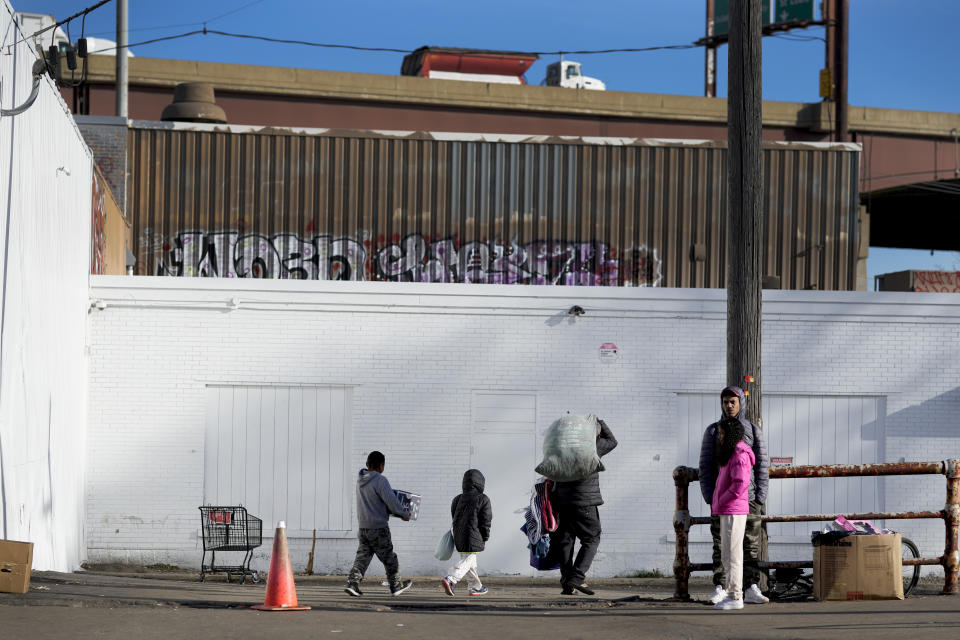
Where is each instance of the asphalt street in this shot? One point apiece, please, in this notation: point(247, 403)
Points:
point(151, 606)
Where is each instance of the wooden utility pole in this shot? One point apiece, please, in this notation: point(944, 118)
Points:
point(836, 15)
point(745, 232)
point(841, 49)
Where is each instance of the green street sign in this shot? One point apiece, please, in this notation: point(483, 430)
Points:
point(792, 11)
point(770, 13)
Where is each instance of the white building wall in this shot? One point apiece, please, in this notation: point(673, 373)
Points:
point(415, 353)
point(45, 205)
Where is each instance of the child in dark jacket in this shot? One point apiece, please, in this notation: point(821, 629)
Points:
point(472, 515)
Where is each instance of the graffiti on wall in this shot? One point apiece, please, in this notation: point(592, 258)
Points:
point(98, 241)
point(937, 281)
point(230, 254)
point(415, 258)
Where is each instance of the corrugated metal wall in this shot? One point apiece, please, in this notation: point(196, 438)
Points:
point(46, 178)
point(358, 205)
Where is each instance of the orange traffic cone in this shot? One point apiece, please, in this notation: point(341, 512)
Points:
point(281, 593)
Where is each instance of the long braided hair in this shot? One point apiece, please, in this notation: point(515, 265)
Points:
point(732, 434)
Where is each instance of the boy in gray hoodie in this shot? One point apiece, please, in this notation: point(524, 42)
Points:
point(376, 502)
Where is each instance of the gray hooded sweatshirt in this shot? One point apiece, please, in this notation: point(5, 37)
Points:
point(376, 500)
point(753, 437)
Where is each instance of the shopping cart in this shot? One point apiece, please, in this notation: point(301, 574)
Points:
point(229, 529)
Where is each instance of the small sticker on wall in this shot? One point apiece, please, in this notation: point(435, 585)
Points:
point(609, 352)
point(786, 462)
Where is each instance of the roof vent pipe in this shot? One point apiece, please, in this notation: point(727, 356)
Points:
point(194, 102)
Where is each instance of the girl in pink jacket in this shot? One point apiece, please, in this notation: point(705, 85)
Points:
point(730, 501)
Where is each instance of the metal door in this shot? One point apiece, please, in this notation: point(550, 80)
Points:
point(503, 448)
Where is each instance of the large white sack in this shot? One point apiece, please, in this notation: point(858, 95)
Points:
point(570, 449)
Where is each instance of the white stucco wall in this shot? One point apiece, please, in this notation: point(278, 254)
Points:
point(415, 353)
point(45, 195)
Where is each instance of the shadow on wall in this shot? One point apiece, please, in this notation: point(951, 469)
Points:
point(937, 417)
point(924, 432)
point(569, 316)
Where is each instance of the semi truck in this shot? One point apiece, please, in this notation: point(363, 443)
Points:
point(566, 73)
point(485, 65)
point(472, 65)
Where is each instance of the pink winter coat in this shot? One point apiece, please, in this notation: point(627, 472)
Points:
point(730, 497)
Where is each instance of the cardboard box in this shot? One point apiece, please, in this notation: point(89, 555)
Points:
point(15, 561)
point(858, 567)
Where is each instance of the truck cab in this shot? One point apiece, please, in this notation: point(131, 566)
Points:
point(566, 73)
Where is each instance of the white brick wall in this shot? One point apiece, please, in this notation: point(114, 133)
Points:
point(415, 352)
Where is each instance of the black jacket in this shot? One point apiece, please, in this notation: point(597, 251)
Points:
point(586, 492)
point(471, 513)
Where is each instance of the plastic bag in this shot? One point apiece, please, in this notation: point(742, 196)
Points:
point(445, 546)
point(570, 449)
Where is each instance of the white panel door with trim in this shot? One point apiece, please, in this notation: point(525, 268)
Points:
point(281, 452)
point(800, 430)
point(503, 447)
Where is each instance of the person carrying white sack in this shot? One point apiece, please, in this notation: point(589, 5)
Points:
point(575, 504)
point(472, 514)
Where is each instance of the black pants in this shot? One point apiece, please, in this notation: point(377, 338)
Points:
point(751, 548)
point(575, 522)
point(375, 542)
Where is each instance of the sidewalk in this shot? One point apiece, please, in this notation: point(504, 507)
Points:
point(165, 606)
point(97, 588)
point(139, 588)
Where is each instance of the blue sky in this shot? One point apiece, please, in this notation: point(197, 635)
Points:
point(903, 53)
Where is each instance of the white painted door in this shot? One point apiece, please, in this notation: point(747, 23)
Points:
point(503, 447)
point(800, 430)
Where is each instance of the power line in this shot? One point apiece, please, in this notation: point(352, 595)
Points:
point(305, 42)
point(351, 47)
point(184, 24)
point(156, 28)
point(62, 22)
point(797, 37)
point(224, 15)
point(160, 39)
point(205, 31)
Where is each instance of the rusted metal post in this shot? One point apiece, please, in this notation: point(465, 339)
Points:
point(951, 520)
point(682, 476)
point(846, 470)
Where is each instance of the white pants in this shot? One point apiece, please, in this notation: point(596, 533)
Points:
point(731, 552)
point(466, 567)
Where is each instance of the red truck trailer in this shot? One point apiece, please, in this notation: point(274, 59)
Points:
point(476, 65)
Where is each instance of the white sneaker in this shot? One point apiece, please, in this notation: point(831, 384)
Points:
point(728, 604)
point(719, 595)
point(753, 596)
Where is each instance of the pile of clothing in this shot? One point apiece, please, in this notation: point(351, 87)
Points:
point(539, 523)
